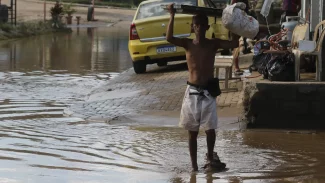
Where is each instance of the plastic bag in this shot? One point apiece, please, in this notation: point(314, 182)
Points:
point(281, 67)
point(240, 5)
point(260, 61)
point(214, 87)
point(238, 22)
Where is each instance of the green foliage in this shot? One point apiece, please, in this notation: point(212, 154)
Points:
point(56, 14)
point(6, 27)
point(56, 10)
point(25, 29)
point(67, 9)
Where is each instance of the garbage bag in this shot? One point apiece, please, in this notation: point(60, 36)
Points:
point(238, 22)
point(260, 61)
point(281, 67)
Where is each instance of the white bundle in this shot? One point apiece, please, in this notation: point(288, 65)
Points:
point(237, 21)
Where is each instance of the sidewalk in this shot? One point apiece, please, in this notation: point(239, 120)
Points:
point(159, 91)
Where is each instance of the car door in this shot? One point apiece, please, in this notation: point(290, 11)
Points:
point(219, 31)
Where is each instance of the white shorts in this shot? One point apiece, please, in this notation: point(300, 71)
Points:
point(199, 108)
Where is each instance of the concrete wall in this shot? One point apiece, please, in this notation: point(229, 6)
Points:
point(284, 105)
point(317, 13)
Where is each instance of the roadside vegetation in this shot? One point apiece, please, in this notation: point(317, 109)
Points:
point(115, 3)
point(33, 28)
point(26, 29)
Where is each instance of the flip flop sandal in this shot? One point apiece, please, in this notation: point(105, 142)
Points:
point(239, 72)
point(215, 165)
point(215, 156)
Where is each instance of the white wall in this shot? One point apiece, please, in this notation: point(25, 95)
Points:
point(315, 14)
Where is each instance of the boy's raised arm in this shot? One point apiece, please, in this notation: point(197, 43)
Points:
point(170, 30)
point(225, 44)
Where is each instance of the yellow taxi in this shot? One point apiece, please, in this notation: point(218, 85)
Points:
point(147, 39)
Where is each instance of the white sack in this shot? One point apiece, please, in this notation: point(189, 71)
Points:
point(238, 22)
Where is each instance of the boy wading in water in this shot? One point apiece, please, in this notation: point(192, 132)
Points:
point(199, 106)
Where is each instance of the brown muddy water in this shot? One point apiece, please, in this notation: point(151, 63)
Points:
point(40, 76)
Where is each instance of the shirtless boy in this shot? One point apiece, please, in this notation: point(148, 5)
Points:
point(199, 108)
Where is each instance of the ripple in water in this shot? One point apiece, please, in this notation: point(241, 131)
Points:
point(39, 144)
point(61, 149)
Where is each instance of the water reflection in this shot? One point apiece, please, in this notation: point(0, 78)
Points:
point(83, 50)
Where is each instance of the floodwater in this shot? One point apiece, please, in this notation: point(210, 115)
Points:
point(40, 76)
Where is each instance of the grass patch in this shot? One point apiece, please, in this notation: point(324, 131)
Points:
point(26, 29)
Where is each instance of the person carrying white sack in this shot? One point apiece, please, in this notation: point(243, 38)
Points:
point(236, 19)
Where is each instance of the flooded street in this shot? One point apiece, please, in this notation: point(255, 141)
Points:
point(40, 76)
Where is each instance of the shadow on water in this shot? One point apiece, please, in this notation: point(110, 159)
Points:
point(84, 50)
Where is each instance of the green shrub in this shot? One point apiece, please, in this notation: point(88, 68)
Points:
point(25, 29)
point(6, 27)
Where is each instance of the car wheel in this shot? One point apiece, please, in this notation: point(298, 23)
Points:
point(139, 67)
point(162, 64)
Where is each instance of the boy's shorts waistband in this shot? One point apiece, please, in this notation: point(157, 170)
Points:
point(197, 86)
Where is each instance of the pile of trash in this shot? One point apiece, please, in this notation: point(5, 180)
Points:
point(275, 67)
point(273, 58)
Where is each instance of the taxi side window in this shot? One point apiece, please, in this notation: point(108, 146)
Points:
point(209, 4)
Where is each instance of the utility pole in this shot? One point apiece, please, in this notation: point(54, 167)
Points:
point(93, 15)
point(15, 12)
point(44, 10)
